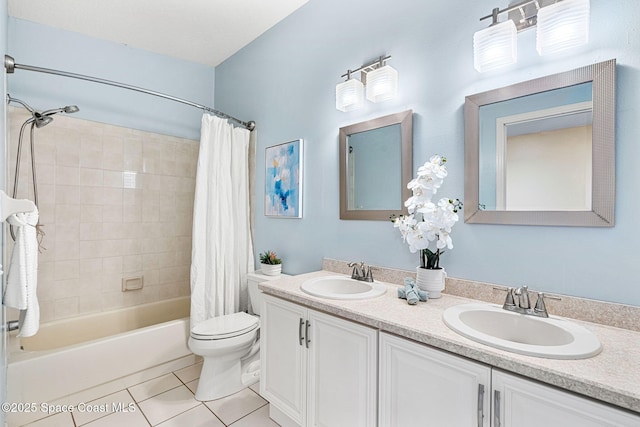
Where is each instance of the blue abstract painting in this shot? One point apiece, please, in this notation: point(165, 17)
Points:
point(283, 181)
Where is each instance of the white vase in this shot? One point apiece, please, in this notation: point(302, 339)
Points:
point(431, 280)
point(271, 269)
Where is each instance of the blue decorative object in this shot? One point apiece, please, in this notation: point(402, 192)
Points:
point(283, 180)
point(411, 292)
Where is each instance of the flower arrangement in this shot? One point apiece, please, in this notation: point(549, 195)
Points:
point(428, 221)
point(269, 258)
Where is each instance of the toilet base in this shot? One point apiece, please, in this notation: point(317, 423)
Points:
point(221, 379)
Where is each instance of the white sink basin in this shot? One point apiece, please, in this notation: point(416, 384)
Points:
point(553, 337)
point(342, 287)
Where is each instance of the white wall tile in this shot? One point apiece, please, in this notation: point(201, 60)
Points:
point(113, 201)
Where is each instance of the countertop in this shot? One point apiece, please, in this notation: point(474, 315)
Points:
point(613, 376)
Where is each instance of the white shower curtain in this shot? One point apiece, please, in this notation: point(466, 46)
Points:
point(222, 250)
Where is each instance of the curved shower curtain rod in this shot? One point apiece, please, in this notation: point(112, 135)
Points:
point(10, 65)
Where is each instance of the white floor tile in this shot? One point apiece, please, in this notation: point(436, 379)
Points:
point(255, 387)
point(189, 373)
point(154, 387)
point(200, 416)
point(231, 408)
point(119, 419)
point(193, 385)
point(168, 404)
point(259, 418)
point(62, 419)
point(89, 411)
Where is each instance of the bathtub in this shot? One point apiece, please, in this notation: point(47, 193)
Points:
point(69, 356)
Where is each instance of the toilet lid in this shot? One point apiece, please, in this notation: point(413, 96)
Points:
point(226, 326)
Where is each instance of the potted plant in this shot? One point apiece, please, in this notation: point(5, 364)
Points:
point(427, 222)
point(270, 264)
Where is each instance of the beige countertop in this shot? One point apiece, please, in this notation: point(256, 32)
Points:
point(613, 376)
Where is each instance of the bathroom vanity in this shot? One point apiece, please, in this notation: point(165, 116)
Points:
point(382, 362)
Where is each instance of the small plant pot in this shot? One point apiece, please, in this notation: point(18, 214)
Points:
point(431, 281)
point(271, 269)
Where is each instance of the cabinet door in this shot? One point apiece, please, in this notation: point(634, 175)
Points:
point(421, 386)
point(525, 403)
point(342, 373)
point(283, 357)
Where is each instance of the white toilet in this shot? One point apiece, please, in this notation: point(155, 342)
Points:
point(230, 347)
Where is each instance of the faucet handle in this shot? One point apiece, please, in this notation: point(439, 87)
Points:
point(540, 307)
point(369, 276)
point(510, 299)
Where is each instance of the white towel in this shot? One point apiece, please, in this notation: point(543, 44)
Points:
point(22, 274)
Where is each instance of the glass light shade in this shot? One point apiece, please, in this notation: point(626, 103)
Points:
point(382, 84)
point(349, 95)
point(562, 26)
point(495, 47)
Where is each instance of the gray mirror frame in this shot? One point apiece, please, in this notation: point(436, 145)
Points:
point(405, 119)
point(602, 75)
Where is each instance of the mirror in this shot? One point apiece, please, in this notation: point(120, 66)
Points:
point(542, 152)
point(375, 166)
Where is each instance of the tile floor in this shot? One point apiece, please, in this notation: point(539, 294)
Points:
point(167, 401)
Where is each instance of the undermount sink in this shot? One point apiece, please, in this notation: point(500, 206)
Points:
point(342, 287)
point(553, 337)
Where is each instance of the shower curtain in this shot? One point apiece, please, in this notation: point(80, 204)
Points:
point(222, 249)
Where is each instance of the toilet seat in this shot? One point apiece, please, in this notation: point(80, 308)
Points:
point(227, 326)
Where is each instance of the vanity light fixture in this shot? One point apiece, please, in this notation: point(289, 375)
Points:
point(349, 94)
point(560, 24)
point(380, 80)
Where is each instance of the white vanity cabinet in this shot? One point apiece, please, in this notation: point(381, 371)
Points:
point(518, 402)
point(317, 369)
point(421, 386)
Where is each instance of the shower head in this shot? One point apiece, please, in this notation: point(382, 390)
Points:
point(43, 118)
point(68, 109)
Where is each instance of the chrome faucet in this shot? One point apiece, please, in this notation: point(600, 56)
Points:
point(361, 272)
point(523, 304)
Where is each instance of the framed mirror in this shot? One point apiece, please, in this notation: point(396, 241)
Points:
point(542, 152)
point(376, 163)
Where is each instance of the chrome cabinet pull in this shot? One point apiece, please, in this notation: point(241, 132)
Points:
point(496, 408)
point(300, 335)
point(306, 333)
point(480, 404)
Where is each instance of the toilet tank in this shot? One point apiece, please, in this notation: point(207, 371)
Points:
point(255, 294)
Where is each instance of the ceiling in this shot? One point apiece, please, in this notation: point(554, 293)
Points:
point(202, 31)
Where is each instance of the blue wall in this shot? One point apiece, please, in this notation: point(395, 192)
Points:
point(47, 47)
point(285, 81)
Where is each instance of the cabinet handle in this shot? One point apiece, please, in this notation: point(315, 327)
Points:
point(496, 408)
point(300, 335)
point(306, 333)
point(480, 404)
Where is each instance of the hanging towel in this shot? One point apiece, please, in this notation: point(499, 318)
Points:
point(22, 274)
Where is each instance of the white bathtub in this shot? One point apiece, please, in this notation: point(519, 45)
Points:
point(69, 356)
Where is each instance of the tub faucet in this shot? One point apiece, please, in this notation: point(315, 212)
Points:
point(361, 272)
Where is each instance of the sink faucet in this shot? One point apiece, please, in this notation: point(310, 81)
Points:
point(523, 304)
point(361, 272)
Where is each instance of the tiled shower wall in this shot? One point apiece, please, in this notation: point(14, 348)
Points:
point(114, 203)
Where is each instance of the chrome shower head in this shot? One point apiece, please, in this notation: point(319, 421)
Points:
point(68, 109)
point(41, 120)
